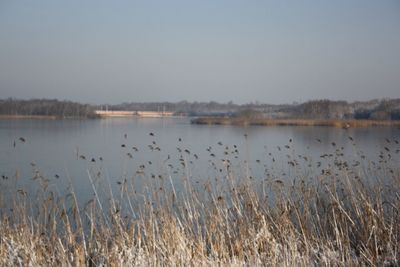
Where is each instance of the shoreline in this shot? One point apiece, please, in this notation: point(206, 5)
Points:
point(338, 123)
point(28, 117)
point(53, 117)
point(42, 117)
point(294, 122)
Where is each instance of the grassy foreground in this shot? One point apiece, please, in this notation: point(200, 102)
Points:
point(316, 220)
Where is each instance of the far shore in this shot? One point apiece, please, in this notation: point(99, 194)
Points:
point(96, 116)
point(41, 117)
point(294, 122)
point(25, 117)
point(238, 121)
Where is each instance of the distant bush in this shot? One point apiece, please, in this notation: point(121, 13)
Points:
point(395, 114)
point(248, 114)
point(322, 109)
point(380, 115)
point(362, 114)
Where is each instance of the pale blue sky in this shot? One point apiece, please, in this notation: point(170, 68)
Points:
point(248, 50)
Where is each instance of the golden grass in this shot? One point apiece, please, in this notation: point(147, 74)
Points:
point(23, 117)
point(294, 122)
point(316, 220)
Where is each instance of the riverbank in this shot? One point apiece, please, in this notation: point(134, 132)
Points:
point(44, 117)
point(27, 117)
point(128, 113)
point(97, 115)
point(293, 122)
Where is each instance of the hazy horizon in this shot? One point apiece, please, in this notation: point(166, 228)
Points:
point(274, 52)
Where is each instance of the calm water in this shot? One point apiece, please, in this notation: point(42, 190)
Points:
point(61, 151)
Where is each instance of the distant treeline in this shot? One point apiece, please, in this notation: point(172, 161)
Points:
point(385, 109)
point(195, 108)
point(46, 107)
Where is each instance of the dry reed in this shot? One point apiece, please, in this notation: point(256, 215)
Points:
point(294, 122)
point(317, 220)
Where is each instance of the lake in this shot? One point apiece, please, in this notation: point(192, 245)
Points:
point(167, 152)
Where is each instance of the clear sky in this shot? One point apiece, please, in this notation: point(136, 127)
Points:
point(170, 50)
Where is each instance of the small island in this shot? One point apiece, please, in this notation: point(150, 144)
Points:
point(314, 113)
point(345, 124)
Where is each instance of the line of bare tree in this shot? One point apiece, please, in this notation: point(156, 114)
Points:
point(46, 107)
point(384, 109)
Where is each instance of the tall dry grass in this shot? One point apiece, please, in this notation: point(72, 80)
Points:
point(295, 122)
point(337, 218)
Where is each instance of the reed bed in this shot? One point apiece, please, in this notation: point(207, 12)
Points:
point(294, 122)
point(24, 117)
point(344, 216)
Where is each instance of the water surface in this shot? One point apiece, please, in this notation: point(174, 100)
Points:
point(163, 151)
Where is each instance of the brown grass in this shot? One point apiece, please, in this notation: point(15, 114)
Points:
point(294, 122)
point(24, 117)
point(318, 220)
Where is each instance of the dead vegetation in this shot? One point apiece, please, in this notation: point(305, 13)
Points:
point(338, 218)
point(294, 122)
